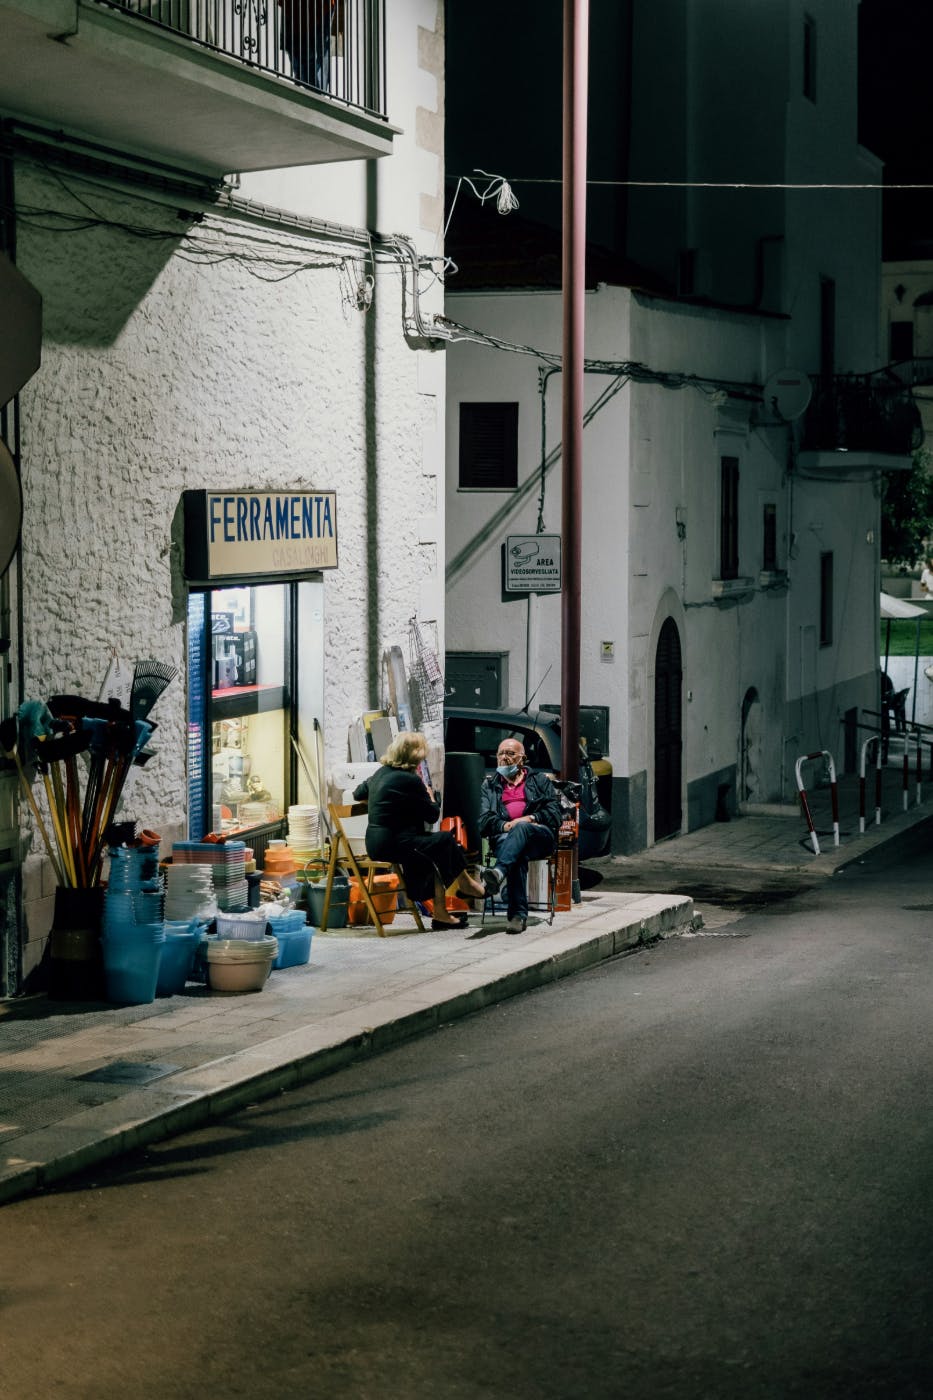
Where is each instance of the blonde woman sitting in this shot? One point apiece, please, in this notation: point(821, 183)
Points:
point(400, 806)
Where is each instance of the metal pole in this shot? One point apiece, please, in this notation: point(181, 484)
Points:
point(576, 45)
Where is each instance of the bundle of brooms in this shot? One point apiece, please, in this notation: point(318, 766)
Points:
point(49, 739)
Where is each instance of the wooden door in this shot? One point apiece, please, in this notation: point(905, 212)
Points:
point(668, 732)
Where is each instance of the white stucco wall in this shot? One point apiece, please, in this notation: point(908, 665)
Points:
point(651, 474)
point(479, 521)
point(234, 362)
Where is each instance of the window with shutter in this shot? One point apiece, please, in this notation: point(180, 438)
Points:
point(729, 518)
point(488, 446)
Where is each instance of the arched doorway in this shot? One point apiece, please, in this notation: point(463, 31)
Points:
point(668, 732)
point(750, 758)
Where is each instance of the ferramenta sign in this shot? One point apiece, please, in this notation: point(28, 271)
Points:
point(532, 564)
point(259, 534)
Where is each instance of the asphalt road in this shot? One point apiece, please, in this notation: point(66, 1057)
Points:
point(703, 1170)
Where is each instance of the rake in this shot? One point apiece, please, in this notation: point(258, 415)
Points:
point(150, 678)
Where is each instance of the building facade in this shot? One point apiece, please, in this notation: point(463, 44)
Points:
point(735, 432)
point(196, 196)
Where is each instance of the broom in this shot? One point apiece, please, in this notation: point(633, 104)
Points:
point(9, 740)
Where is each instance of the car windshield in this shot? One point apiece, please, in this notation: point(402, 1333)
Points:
point(475, 737)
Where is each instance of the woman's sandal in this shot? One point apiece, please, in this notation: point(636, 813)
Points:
point(458, 921)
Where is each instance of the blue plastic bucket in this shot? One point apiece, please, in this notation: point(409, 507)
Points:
point(294, 944)
point(131, 968)
point(177, 958)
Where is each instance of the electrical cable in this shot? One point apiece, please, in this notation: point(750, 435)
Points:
point(719, 184)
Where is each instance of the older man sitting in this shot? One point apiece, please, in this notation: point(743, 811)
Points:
point(520, 816)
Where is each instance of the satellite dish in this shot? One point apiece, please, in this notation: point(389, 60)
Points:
point(787, 393)
point(11, 508)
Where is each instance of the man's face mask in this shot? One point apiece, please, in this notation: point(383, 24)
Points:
point(509, 762)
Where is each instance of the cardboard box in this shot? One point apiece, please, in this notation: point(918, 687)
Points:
point(245, 645)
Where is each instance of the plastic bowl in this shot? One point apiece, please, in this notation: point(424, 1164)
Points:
point(240, 965)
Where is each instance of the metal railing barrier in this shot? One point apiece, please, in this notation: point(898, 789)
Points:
point(833, 791)
point(876, 740)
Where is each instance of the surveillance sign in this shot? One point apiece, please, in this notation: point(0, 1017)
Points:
point(532, 564)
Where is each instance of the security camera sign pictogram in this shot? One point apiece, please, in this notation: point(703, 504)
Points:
point(532, 564)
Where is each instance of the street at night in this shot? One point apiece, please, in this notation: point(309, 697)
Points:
point(699, 1171)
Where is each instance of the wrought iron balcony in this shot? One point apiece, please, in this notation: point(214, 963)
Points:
point(866, 422)
point(334, 47)
point(209, 86)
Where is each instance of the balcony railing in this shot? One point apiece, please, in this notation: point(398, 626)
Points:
point(855, 413)
point(334, 47)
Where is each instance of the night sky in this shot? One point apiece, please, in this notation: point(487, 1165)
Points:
point(896, 114)
point(504, 107)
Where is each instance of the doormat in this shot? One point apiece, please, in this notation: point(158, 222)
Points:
point(128, 1072)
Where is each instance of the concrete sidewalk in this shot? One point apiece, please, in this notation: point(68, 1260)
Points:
point(80, 1083)
point(83, 1082)
point(773, 840)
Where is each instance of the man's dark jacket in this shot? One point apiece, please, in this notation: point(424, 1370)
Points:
point(541, 802)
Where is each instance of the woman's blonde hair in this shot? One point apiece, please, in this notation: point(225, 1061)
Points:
point(406, 750)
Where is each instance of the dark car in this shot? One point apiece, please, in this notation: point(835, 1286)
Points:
point(468, 730)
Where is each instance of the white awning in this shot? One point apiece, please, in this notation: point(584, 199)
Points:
point(899, 607)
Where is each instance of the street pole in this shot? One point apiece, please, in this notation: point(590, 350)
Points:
point(576, 41)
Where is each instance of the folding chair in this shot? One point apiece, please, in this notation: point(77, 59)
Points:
point(363, 868)
point(535, 906)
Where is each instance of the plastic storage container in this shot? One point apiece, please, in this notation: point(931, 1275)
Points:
point(239, 964)
point(246, 926)
point(384, 896)
point(294, 938)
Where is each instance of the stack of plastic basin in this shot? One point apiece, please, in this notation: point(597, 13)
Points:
point(227, 863)
point(133, 933)
point(240, 964)
point(293, 935)
point(304, 841)
point(189, 892)
point(281, 867)
point(132, 956)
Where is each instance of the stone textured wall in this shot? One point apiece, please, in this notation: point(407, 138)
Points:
point(201, 354)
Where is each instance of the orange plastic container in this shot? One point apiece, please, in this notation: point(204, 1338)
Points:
point(280, 860)
point(384, 897)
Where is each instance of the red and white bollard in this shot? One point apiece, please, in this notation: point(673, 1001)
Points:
point(876, 740)
point(833, 792)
